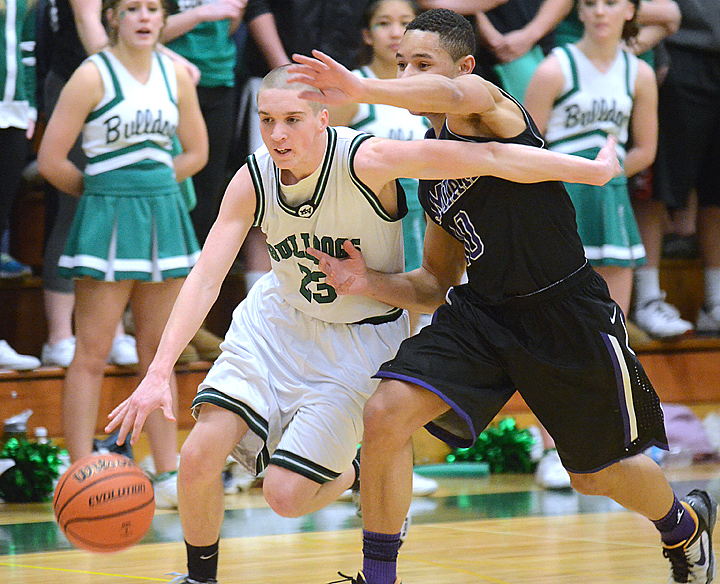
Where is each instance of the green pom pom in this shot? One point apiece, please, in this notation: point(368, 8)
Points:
point(36, 467)
point(503, 446)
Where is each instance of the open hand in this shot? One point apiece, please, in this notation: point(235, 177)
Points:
point(347, 276)
point(152, 393)
point(337, 85)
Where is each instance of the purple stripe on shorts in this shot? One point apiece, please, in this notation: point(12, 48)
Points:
point(431, 427)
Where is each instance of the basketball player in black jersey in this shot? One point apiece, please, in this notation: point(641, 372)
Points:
point(534, 317)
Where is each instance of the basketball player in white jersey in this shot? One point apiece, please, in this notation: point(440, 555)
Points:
point(288, 391)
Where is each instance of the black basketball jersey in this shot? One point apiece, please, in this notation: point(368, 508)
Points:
point(518, 238)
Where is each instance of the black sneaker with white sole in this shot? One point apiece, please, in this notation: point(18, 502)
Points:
point(694, 560)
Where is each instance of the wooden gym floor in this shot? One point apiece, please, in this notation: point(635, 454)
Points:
point(501, 530)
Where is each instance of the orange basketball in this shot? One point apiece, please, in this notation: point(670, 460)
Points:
point(104, 503)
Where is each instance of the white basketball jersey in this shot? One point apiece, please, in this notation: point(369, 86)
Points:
point(387, 121)
point(593, 104)
point(333, 206)
point(134, 121)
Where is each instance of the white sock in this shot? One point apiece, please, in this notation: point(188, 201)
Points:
point(251, 277)
point(647, 285)
point(712, 287)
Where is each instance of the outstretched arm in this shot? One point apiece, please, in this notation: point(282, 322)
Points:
point(430, 93)
point(380, 161)
point(192, 305)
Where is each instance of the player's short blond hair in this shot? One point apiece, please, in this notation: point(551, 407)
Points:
point(277, 79)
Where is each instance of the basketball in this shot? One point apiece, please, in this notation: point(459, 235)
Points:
point(104, 503)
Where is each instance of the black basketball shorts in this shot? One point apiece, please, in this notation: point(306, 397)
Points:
point(564, 349)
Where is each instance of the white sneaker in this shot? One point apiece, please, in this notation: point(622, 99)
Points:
point(147, 465)
point(537, 450)
point(235, 478)
point(660, 319)
point(60, 354)
point(165, 486)
point(6, 464)
point(423, 486)
point(11, 359)
point(708, 320)
point(124, 351)
point(405, 528)
point(550, 473)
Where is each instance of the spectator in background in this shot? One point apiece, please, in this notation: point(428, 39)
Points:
point(71, 30)
point(566, 97)
point(131, 239)
point(17, 125)
point(202, 33)
point(495, 22)
point(17, 115)
point(688, 154)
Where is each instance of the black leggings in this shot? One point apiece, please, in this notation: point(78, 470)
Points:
point(218, 108)
point(14, 148)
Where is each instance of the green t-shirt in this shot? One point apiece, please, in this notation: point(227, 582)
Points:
point(210, 47)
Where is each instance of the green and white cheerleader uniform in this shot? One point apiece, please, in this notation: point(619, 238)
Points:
point(593, 105)
point(131, 222)
point(387, 121)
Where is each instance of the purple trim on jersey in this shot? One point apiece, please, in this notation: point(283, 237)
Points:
point(620, 386)
point(431, 427)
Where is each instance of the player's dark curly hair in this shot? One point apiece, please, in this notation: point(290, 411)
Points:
point(455, 31)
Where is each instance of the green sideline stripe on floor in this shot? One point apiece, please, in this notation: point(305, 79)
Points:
point(456, 469)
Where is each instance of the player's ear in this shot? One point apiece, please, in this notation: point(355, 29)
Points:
point(324, 119)
point(466, 65)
